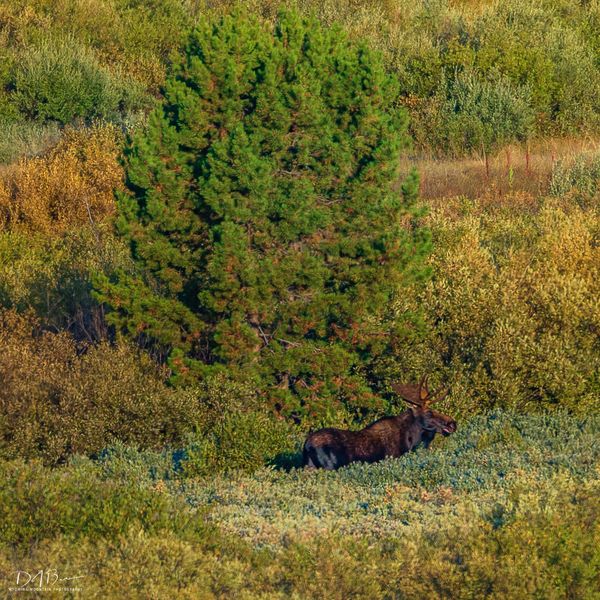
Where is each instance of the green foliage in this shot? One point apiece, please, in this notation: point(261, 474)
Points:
point(511, 308)
point(237, 441)
point(579, 178)
point(79, 504)
point(64, 81)
point(22, 139)
point(56, 402)
point(51, 276)
point(549, 49)
point(491, 466)
point(262, 215)
point(476, 116)
point(505, 508)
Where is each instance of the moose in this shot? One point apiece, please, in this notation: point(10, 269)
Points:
point(389, 436)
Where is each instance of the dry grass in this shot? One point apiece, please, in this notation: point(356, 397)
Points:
point(514, 169)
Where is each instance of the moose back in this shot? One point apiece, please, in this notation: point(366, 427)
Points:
point(388, 437)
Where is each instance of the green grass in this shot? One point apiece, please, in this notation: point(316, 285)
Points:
point(506, 508)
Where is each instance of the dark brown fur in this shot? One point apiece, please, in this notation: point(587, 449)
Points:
point(388, 437)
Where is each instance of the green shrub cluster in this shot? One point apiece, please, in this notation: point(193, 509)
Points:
point(64, 82)
point(472, 114)
point(60, 398)
point(51, 277)
point(66, 61)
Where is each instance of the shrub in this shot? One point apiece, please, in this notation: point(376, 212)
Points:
point(237, 441)
point(55, 402)
point(261, 211)
point(63, 81)
point(20, 139)
point(511, 307)
point(38, 504)
point(579, 177)
point(475, 116)
point(71, 185)
point(51, 276)
point(506, 508)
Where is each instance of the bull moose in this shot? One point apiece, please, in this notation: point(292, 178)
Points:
point(390, 436)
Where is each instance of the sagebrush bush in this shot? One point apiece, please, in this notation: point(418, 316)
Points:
point(79, 503)
point(70, 185)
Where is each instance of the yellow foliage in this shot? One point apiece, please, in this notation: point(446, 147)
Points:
point(60, 398)
point(513, 306)
point(73, 184)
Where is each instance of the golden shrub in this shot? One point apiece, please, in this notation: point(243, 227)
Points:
point(512, 309)
point(58, 398)
point(73, 184)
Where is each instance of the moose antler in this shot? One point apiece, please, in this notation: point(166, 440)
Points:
point(418, 394)
point(436, 396)
point(413, 393)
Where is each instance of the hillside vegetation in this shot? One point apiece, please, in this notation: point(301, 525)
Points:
point(152, 484)
point(506, 508)
point(474, 75)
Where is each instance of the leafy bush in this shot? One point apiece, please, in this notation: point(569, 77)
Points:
point(579, 177)
point(62, 82)
point(511, 309)
point(262, 215)
point(548, 49)
point(476, 116)
point(55, 402)
point(51, 276)
point(24, 139)
point(239, 441)
point(79, 504)
point(72, 184)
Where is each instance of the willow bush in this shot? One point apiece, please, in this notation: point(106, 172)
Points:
point(70, 185)
point(512, 305)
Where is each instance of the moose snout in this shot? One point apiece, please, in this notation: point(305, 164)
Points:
point(449, 428)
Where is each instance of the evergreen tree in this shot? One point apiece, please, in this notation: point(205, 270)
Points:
point(262, 211)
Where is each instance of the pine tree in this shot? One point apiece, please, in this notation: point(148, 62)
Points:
point(263, 213)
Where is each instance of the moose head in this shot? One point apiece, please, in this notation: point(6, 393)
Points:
point(420, 399)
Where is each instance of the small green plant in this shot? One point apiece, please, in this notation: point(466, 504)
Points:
point(579, 177)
